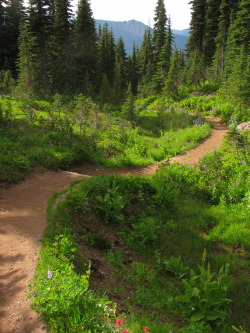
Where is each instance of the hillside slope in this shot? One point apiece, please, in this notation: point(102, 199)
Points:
point(133, 31)
point(23, 220)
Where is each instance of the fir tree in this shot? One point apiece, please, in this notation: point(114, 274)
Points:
point(105, 95)
point(85, 47)
point(133, 72)
point(3, 44)
point(221, 38)
point(195, 66)
point(121, 70)
point(26, 62)
point(106, 54)
point(172, 82)
point(60, 47)
point(211, 30)
point(160, 45)
point(145, 54)
point(128, 108)
point(12, 14)
point(40, 25)
point(197, 27)
point(159, 37)
point(166, 54)
point(236, 75)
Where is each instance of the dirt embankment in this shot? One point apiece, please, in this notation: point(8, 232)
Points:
point(23, 220)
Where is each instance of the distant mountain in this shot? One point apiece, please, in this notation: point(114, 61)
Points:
point(133, 31)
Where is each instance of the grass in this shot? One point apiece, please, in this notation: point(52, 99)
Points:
point(143, 236)
point(159, 222)
point(39, 134)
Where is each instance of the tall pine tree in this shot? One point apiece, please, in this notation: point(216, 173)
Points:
point(40, 25)
point(211, 30)
point(106, 54)
point(85, 48)
point(160, 28)
point(61, 47)
point(159, 41)
point(27, 84)
point(121, 72)
point(237, 70)
point(10, 15)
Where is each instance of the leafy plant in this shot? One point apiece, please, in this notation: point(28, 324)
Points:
point(111, 204)
point(239, 329)
point(144, 233)
point(175, 266)
point(205, 294)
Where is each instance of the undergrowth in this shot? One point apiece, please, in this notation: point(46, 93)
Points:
point(173, 260)
point(56, 135)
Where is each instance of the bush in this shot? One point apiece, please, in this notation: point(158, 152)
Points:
point(205, 294)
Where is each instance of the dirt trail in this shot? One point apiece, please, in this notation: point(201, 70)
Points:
point(23, 220)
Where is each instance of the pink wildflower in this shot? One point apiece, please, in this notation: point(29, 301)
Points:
point(118, 321)
point(125, 332)
point(146, 328)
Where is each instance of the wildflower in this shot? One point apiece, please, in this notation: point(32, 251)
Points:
point(125, 332)
point(119, 321)
point(146, 328)
point(49, 274)
point(66, 209)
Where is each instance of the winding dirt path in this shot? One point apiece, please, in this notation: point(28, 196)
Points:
point(23, 220)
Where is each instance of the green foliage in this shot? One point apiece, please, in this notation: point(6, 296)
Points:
point(163, 225)
point(175, 266)
point(128, 108)
point(166, 191)
point(196, 327)
point(60, 295)
point(239, 330)
point(230, 167)
point(111, 204)
point(205, 294)
point(6, 83)
point(144, 233)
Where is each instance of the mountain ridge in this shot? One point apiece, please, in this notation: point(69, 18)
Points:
point(132, 31)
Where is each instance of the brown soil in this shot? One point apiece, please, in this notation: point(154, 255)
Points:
point(23, 220)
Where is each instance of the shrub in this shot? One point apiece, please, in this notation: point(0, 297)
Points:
point(205, 294)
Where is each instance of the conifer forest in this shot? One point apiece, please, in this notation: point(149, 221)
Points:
point(167, 252)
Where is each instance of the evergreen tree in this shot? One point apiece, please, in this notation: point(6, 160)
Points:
point(128, 108)
point(166, 54)
point(61, 47)
point(26, 62)
point(40, 25)
point(7, 83)
point(105, 95)
point(221, 38)
point(121, 71)
point(145, 54)
point(237, 73)
point(3, 44)
point(133, 72)
point(211, 30)
point(40, 20)
point(173, 78)
point(106, 54)
point(85, 47)
point(160, 22)
point(195, 66)
point(10, 17)
point(160, 45)
point(197, 27)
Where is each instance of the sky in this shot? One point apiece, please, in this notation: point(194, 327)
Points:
point(141, 10)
